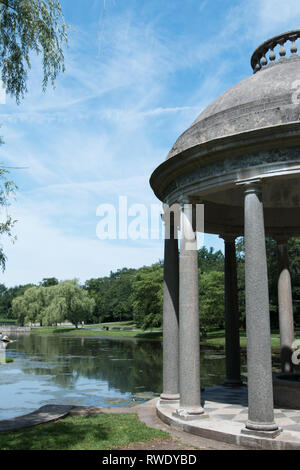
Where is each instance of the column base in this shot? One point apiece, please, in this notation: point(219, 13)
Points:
point(262, 430)
point(268, 434)
point(189, 414)
point(169, 398)
point(233, 383)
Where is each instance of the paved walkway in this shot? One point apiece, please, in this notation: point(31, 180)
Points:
point(227, 410)
point(231, 404)
point(146, 412)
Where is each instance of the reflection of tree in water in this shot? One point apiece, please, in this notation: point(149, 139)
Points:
point(213, 365)
point(127, 365)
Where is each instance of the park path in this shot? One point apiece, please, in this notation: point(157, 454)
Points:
point(179, 440)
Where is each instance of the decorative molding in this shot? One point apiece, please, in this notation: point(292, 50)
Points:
point(260, 60)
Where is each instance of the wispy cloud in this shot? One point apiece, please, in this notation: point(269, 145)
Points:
point(45, 251)
point(114, 116)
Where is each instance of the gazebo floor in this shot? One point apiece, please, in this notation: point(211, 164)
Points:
point(226, 411)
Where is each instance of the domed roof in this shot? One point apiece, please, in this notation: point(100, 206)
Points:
point(267, 98)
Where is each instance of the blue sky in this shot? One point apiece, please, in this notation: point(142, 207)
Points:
point(138, 73)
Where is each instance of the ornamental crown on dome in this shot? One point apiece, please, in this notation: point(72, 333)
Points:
point(265, 54)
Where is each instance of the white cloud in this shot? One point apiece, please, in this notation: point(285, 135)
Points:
point(44, 251)
point(275, 14)
point(110, 121)
point(258, 20)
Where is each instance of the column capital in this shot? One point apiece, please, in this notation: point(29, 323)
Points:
point(186, 199)
point(281, 239)
point(183, 200)
point(251, 186)
point(228, 237)
point(171, 216)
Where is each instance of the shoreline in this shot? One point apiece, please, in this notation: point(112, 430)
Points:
point(91, 333)
point(217, 341)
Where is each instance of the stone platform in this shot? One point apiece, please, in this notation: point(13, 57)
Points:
point(227, 410)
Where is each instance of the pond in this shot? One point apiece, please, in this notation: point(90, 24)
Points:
point(88, 371)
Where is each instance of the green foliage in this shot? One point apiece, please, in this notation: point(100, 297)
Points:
point(112, 295)
point(35, 299)
point(137, 295)
point(7, 189)
point(240, 256)
point(28, 26)
point(49, 281)
point(147, 297)
point(6, 298)
point(19, 309)
point(272, 264)
point(28, 308)
point(211, 300)
point(127, 294)
point(208, 260)
point(66, 301)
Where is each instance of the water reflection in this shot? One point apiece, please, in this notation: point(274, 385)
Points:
point(125, 365)
point(88, 371)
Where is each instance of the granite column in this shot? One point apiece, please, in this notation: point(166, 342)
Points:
point(171, 315)
point(189, 334)
point(285, 304)
point(260, 386)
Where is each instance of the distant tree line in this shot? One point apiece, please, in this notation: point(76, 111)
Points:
point(137, 294)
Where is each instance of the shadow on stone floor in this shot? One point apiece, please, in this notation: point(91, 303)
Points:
point(228, 395)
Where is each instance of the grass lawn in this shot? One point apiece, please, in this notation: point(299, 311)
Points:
point(214, 338)
point(217, 338)
point(91, 330)
point(95, 432)
point(7, 320)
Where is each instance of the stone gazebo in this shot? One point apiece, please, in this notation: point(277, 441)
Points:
point(241, 160)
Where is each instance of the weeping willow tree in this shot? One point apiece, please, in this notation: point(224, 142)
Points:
point(27, 27)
